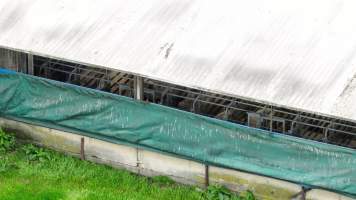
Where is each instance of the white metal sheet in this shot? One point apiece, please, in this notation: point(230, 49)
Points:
point(298, 54)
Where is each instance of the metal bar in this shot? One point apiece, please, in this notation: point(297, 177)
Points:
point(249, 104)
point(82, 153)
point(195, 101)
point(345, 132)
point(75, 66)
point(163, 94)
point(310, 121)
point(138, 82)
point(42, 66)
point(226, 99)
point(226, 114)
point(70, 75)
point(138, 160)
point(253, 105)
point(326, 130)
point(30, 69)
point(138, 95)
point(68, 65)
point(271, 119)
point(78, 74)
point(192, 92)
point(234, 108)
point(296, 122)
point(207, 176)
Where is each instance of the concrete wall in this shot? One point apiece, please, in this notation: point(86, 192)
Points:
point(13, 60)
point(152, 163)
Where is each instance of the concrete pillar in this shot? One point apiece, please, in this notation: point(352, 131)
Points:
point(30, 69)
point(138, 87)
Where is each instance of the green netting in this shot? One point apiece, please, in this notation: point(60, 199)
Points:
point(123, 120)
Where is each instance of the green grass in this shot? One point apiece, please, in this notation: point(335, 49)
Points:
point(28, 172)
point(68, 178)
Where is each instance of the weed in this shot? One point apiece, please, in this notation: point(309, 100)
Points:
point(218, 192)
point(34, 153)
point(7, 141)
point(5, 164)
point(247, 195)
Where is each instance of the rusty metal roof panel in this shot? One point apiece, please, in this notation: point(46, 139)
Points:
point(296, 54)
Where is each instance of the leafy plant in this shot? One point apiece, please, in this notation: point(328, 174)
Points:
point(5, 164)
point(218, 192)
point(7, 141)
point(34, 153)
point(248, 195)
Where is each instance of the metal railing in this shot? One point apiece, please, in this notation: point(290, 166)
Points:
point(160, 92)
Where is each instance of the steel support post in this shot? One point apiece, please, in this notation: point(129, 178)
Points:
point(138, 87)
point(138, 82)
point(271, 120)
point(30, 69)
point(206, 182)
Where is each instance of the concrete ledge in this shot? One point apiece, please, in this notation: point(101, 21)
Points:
point(325, 195)
point(152, 163)
point(263, 187)
point(110, 154)
point(181, 170)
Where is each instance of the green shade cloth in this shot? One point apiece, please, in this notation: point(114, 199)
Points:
point(126, 121)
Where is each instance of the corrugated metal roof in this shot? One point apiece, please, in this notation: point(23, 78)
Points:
point(299, 54)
